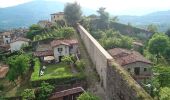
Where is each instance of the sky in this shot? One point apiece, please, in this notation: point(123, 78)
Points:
point(117, 7)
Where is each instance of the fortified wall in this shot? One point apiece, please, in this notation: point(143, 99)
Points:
point(116, 82)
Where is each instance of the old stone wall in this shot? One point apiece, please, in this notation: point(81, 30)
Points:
point(117, 83)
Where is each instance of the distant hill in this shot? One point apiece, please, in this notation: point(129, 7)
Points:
point(161, 19)
point(24, 15)
point(29, 13)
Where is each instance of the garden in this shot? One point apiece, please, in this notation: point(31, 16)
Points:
point(56, 74)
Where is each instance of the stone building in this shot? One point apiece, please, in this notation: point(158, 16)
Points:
point(44, 23)
point(138, 66)
point(16, 44)
point(6, 37)
point(57, 16)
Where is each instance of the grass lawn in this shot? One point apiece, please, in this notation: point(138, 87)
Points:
point(57, 70)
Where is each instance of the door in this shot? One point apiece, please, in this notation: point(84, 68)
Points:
point(60, 57)
point(137, 70)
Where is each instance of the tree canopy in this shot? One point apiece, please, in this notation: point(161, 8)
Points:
point(18, 65)
point(158, 44)
point(72, 13)
point(44, 91)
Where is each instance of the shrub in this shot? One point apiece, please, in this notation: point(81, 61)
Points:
point(88, 96)
point(80, 65)
point(37, 66)
point(1, 87)
point(28, 94)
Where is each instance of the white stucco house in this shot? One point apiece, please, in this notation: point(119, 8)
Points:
point(64, 48)
point(136, 64)
point(17, 43)
point(57, 49)
point(7, 37)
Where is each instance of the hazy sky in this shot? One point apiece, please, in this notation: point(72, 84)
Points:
point(117, 7)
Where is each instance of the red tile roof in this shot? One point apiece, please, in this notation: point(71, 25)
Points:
point(63, 42)
point(20, 39)
point(43, 53)
point(7, 33)
point(3, 70)
point(125, 57)
point(67, 92)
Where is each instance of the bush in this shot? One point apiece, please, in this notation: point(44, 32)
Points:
point(28, 94)
point(58, 80)
point(80, 64)
point(88, 96)
point(37, 66)
point(1, 87)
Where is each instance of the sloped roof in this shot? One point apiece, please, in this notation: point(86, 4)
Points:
point(44, 47)
point(7, 33)
point(20, 39)
point(43, 53)
point(55, 43)
point(66, 92)
point(125, 57)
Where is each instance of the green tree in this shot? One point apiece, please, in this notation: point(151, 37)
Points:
point(28, 94)
point(88, 96)
point(163, 75)
point(44, 91)
point(67, 59)
point(18, 65)
point(164, 93)
point(158, 44)
point(67, 32)
point(168, 32)
point(103, 21)
point(72, 13)
point(34, 30)
point(152, 28)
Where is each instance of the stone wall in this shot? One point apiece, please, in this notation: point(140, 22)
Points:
point(117, 83)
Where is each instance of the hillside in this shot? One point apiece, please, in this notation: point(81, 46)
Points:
point(161, 19)
point(29, 13)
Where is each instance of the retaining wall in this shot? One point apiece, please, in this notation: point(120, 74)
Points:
point(117, 83)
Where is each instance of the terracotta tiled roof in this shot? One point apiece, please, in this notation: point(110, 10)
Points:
point(44, 47)
point(43, 53)
point(20, 39)
point(7, 33)
point(3, 70)
point(63, 42)
point(67, 92)
point(125, 57)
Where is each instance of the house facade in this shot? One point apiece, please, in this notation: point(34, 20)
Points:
point(7, 37)
point(57, 48)
point(138, 66)
point(17, 43)
point(57, 16)
point(64, 48)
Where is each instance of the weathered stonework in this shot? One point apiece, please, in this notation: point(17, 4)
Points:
point(117, 83)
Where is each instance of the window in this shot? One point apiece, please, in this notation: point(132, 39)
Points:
point(71, 47)
point(145, 69)
point(128, 69)
point(60, 50)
